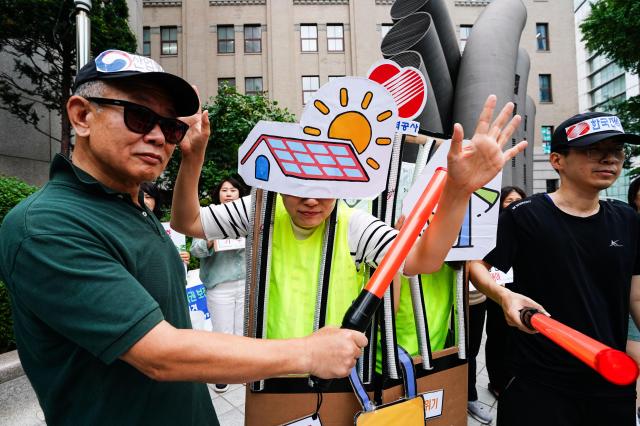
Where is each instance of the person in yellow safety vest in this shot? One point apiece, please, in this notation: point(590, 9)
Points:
point(297, 239)
point(438, 293)
point(295, 261)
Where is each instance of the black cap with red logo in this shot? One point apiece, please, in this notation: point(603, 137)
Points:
point(589, 128)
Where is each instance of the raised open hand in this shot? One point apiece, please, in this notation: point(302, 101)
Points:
point(474, 165)
point(195, 141)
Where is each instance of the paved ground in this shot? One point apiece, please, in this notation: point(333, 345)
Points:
point(19, 406)
point(482, 379)
point(229, 405)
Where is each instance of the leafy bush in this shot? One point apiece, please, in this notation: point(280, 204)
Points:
point(7, 339)
point(12, 191)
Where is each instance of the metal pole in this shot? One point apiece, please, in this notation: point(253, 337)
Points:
point(83, 32)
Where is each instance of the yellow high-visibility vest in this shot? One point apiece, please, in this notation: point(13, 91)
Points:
point(437, 291)
point(295, 271)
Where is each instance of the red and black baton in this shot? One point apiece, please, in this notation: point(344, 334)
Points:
point(360, 313)
point(614, 365)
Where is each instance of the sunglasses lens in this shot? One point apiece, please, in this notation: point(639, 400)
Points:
point(139, 119)
point(174, 130)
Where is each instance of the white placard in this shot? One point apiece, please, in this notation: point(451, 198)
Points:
point(229, 244)
point(408, 127)
point(179, 240)
point(306, 421)
point(500, 277)
point(433, 402)
point(197, 302)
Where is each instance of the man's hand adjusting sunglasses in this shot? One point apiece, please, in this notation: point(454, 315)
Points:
point(140, 119)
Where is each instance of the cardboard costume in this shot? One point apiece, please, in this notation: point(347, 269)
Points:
point(352, 143)
point(314, 280)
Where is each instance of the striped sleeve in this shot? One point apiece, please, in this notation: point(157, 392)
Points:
point(369, 238)
point(230, 220)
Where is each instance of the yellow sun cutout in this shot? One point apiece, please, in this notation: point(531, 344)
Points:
point(352, 126)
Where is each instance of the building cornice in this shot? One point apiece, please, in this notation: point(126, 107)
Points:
point(161, 3)
point(236, 2)
point(303, 2)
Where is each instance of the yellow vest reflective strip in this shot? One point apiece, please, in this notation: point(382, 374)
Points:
point(295, 270)
point(438, 293)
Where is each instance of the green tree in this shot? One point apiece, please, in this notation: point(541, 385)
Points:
point(40, 36)
point(232, 116)
point(613, 30)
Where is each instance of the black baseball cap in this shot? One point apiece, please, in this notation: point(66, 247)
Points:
point(589, 128)
point(117, 64)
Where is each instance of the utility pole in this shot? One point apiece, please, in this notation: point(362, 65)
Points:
point(83, 51)
point(83, 32)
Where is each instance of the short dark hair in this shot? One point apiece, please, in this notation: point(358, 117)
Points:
point(504, 192)
point(633, 191)
point(152, 189)
point(237, 183)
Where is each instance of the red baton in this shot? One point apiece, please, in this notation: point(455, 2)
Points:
point(359, 314)
point(614, 365)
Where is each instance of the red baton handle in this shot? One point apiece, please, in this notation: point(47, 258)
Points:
point(359, 315)
point(614, 365)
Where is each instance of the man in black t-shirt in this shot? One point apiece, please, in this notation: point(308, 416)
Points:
point(577, 258)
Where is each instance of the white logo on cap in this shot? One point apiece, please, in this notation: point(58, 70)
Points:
point(117, 61)
point(594, 125)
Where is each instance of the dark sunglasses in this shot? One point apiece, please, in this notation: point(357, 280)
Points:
point(140, 119)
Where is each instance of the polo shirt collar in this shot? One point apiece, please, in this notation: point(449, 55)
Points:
point(62, 169)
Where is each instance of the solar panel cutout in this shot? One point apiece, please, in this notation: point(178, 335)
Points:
point(319, 160)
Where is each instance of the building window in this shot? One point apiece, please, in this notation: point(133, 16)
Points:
point(226, 39)
point(253, 86)
point(605, 75)
point(333, 77)
point(465, 32)
point(384, 29)
point(310, 83)
point(607, 84)
point(335, 38)
point(146, 41)
point(309, 38)
point(542, 36)
point(547, 132)
point(544, 80)
point(229, 81)
point(552, 185)
point(605, 96)
point(252, 39)
point(169, 37)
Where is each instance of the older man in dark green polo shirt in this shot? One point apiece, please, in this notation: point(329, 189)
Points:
point(97, 287)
